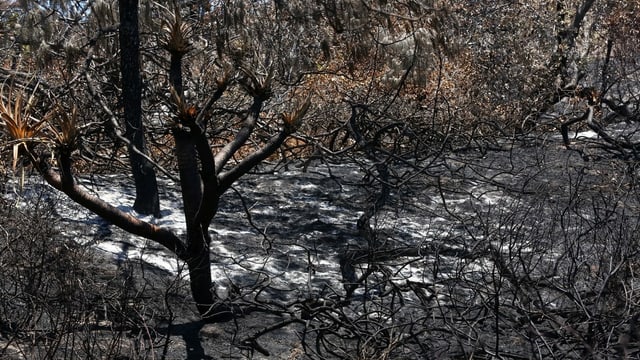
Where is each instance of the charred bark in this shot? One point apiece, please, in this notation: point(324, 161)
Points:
point(202, 179)
point(64, 181)
point(147, 199)
point(190, 146)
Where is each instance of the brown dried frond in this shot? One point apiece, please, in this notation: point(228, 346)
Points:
point(18, 123)
point(223, 81)
point(185, 112)
point(293, 120)
point(176, 34)
point(177, 99)
point(65, 134)
point(17, 119)
point(192, 112)
point(227, 73)
point(258, 86)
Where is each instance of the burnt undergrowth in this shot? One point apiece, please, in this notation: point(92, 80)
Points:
point(527, 252)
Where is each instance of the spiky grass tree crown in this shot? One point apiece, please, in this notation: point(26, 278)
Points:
point(186, 113)
point(292, 120)
point(176, 33)
point(18, 123)
point(64, 129)
point(24, 129)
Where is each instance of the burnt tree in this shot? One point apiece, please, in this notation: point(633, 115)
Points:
point(205, 172)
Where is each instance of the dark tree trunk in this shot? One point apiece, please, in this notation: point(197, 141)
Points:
point(199, 264)
point(201, 180)
point(197, 255)
point(175, 73)
point(147, 200)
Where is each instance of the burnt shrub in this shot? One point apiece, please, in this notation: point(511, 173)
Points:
point(58, 298)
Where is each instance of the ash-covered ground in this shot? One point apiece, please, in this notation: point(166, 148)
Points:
point(509, 251)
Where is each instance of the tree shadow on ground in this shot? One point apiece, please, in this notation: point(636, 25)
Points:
point(190, 334)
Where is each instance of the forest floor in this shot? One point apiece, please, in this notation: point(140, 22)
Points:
point(279, 237)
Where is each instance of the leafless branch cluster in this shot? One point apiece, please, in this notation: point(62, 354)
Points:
point(53, 302)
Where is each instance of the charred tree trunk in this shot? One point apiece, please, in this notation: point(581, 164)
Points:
point(202, 178)
point(199, 264)
point(197, 256)
point(147, 200)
